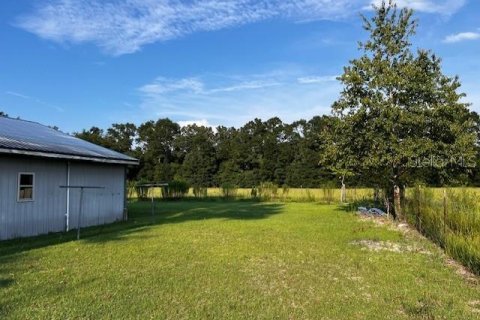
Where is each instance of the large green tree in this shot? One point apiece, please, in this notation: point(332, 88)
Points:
point(156, 143)
point(227, 155)
point(196, 145)
point(398, 109)
point(308, 139)
point(121, 137)
point(94, 135)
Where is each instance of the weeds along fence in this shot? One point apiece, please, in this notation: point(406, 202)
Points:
point(263, 192)
point(450, 218)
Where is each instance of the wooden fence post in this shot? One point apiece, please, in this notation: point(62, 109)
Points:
point(418, 200)
point(445, 212)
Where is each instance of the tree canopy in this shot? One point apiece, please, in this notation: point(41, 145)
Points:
point(398, 111)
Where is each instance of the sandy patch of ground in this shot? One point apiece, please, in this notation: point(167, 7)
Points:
point(372, 245)
point(404, 228)
point(474, 306)
point(464, 273)
point(412, 233)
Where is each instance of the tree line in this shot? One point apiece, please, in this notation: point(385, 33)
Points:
point(259, 151)
point(297, 154)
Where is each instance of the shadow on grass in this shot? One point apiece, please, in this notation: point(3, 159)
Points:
point(142, 219)
point(5, 283)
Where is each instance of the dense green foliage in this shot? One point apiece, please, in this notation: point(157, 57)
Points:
point(229, 190)
point(177, 189)
point(292, 155)
point(260, 151)
point(231, 260)
point(398, 111)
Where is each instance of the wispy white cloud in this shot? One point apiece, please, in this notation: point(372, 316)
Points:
point(234, 100)
point(16, 94)
point(124, 26)
point(247, 85)
point(163, 85)
point(35, 100)
point(316, 79)
point(462, 36)
point(444, 7)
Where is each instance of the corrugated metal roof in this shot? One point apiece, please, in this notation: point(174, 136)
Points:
point(25, 137)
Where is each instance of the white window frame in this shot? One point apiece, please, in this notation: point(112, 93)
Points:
point(32, 185)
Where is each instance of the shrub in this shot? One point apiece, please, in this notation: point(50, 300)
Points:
point(254, 192)
point(267, 191)
point(229, 190)
point(131, 189)
point(200, 192)
point(310, 196)
point(177, 189)
point(285, 191)
point(328, 192)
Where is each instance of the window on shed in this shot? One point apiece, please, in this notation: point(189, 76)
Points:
point(26, 183)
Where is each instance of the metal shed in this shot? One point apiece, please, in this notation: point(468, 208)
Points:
point(36, 160)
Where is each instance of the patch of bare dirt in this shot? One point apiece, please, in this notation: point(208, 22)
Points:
point(412, 233)
point(474, 306)
point(464, 273)
point(372, 245)
point(404, 228)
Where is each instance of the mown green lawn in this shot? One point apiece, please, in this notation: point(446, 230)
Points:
point(231, 260)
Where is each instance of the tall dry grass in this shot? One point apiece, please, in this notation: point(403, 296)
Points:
point(451, 218)
point(271, 192)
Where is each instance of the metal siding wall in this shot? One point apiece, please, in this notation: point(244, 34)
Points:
point(100, 206)
point(46, 213)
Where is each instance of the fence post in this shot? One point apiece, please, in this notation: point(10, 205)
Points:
point(445, 212)
point(153, 203)
point(418, 200)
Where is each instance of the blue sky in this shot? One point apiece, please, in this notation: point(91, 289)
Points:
point(80, 63)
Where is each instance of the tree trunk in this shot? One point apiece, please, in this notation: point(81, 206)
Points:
point(397, 202)
point(343, 191)
point(387, 204)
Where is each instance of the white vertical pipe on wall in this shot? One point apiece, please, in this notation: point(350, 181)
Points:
point(67, 214)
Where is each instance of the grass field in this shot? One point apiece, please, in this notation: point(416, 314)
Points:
point(232, 260)
point(306, 194)
point(284, 195)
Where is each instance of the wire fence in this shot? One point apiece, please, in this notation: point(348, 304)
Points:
point(450, 218)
